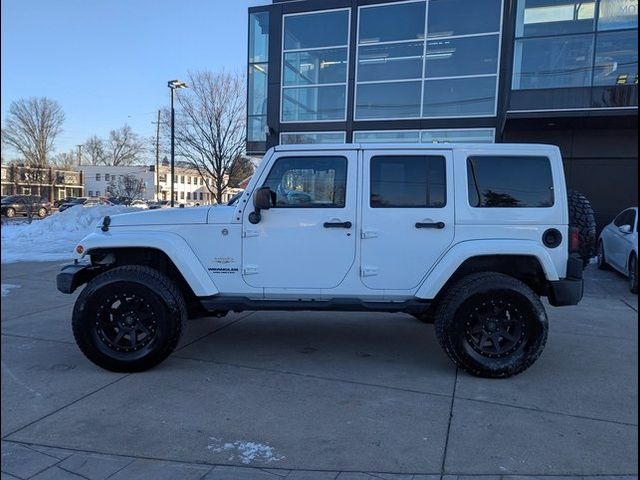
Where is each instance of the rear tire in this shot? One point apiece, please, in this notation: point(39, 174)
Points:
point(129, 319)
point(602, 260)
point(42, 212)
point(491, 325)
point(633, 274)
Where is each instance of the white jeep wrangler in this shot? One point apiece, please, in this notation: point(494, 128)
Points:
point(466, 236)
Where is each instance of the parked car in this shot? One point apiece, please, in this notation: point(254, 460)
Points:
point(139, 204)
point(84, 201)
point(468, 235)
point(159, 204)
point(25, 205)
point(618, 246)
point(58, 203)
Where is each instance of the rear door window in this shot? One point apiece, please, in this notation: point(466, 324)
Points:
point(408, 181)
point(510, 182)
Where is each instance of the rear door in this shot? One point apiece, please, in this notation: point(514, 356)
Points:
point(407, 215)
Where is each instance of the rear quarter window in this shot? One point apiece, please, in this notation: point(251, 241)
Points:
point(510, 182)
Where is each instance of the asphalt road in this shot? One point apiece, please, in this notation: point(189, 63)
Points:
point(316, 396)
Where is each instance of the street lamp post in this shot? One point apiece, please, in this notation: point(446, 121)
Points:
point(173, 86)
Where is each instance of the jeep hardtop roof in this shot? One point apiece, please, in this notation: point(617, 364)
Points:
point(485, 147)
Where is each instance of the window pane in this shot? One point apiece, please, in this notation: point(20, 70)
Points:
point(258, 37)
point(256, 128)
point(258, 89)
point(313, 103)
point(459, 97)
point(510, 182)
point(616, 58)
point(408, 181)
point(553, 17)
point(327, 29)
point(309, 181)
point(309, 137)
point(484, 135)
point(553, 62)
point(388, 100)
point(462, 17)
point(616, 14)
point(462, 56)
point(315, 67)
point(388, 23)
point(391, 136)
point(390, 61)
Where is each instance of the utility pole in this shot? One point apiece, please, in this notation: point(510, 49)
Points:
point(157, 123)
point(79, 154)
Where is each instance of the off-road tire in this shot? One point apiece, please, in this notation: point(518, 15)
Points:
point(633, 273)
point(602, 259)
point(42, 212)
point(165, 307)
point(462, 300)
point(582, 217)
point(10, 213)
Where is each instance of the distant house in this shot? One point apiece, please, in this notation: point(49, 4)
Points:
point(48, 182)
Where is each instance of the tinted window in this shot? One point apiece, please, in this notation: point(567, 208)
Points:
point(510, 182)
point(309, 182)
point(408, 181)
point(462, 17)
point(325, 29)
point(628, 217)
point(388, 23)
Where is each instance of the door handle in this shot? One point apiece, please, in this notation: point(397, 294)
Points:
point(337, 225)
point(438, 225)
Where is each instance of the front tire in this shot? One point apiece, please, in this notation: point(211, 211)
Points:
point(602, 260)
point(129, 318)
point(10, 213)
point(633, 274)
point(42, 212)
point(491, 325)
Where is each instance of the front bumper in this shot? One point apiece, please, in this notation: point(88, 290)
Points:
point(74, 275)
point(569, 290)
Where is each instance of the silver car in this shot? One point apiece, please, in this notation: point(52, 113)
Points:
point(618, 246)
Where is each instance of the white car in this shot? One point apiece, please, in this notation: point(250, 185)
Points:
point(618, 246)
point(139, 204)
point(470, 236)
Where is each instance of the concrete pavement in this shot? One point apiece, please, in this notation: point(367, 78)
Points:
point(314, 396)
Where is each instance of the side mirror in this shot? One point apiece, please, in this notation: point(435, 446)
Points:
point(263, 199)
point(626, 229)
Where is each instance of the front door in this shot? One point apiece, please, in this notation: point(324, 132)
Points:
point(308, 239)
point(407, 216)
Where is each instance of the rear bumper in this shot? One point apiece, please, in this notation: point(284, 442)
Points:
point(74, 275)
point(569, 290)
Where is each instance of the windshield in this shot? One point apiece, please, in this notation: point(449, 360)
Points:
point(11, 199)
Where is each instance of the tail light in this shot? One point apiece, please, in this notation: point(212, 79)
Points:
point(574, 240)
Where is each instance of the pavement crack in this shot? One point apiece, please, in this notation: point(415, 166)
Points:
point(309, 375)
point(635, 309)
point(446, 439)
point(6, 436)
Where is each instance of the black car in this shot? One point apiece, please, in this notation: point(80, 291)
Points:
point(58, 203)
point(86, 201)
point(25, 205)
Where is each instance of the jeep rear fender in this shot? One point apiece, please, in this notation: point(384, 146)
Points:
point(460, 252)
point(172, 244)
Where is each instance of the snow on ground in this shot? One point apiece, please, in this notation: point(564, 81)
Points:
point(6, 287)
point(245, 451)
point(54, 237)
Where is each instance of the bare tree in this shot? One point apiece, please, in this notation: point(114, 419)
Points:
point(210, 127)
point(94, 151)
point(65, 160)
point(31, 127)
point(240, 170)
point(124, 147)
point(127, 186)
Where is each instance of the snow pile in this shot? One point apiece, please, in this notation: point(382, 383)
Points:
point(54, 237)
point(246, 452)
point(6, 287)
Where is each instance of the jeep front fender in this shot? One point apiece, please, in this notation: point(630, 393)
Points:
point(172, 244)
point(460, 252)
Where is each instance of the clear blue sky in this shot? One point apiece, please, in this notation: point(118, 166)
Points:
point(107, 62)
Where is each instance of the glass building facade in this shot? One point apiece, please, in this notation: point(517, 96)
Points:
point(437, 71)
